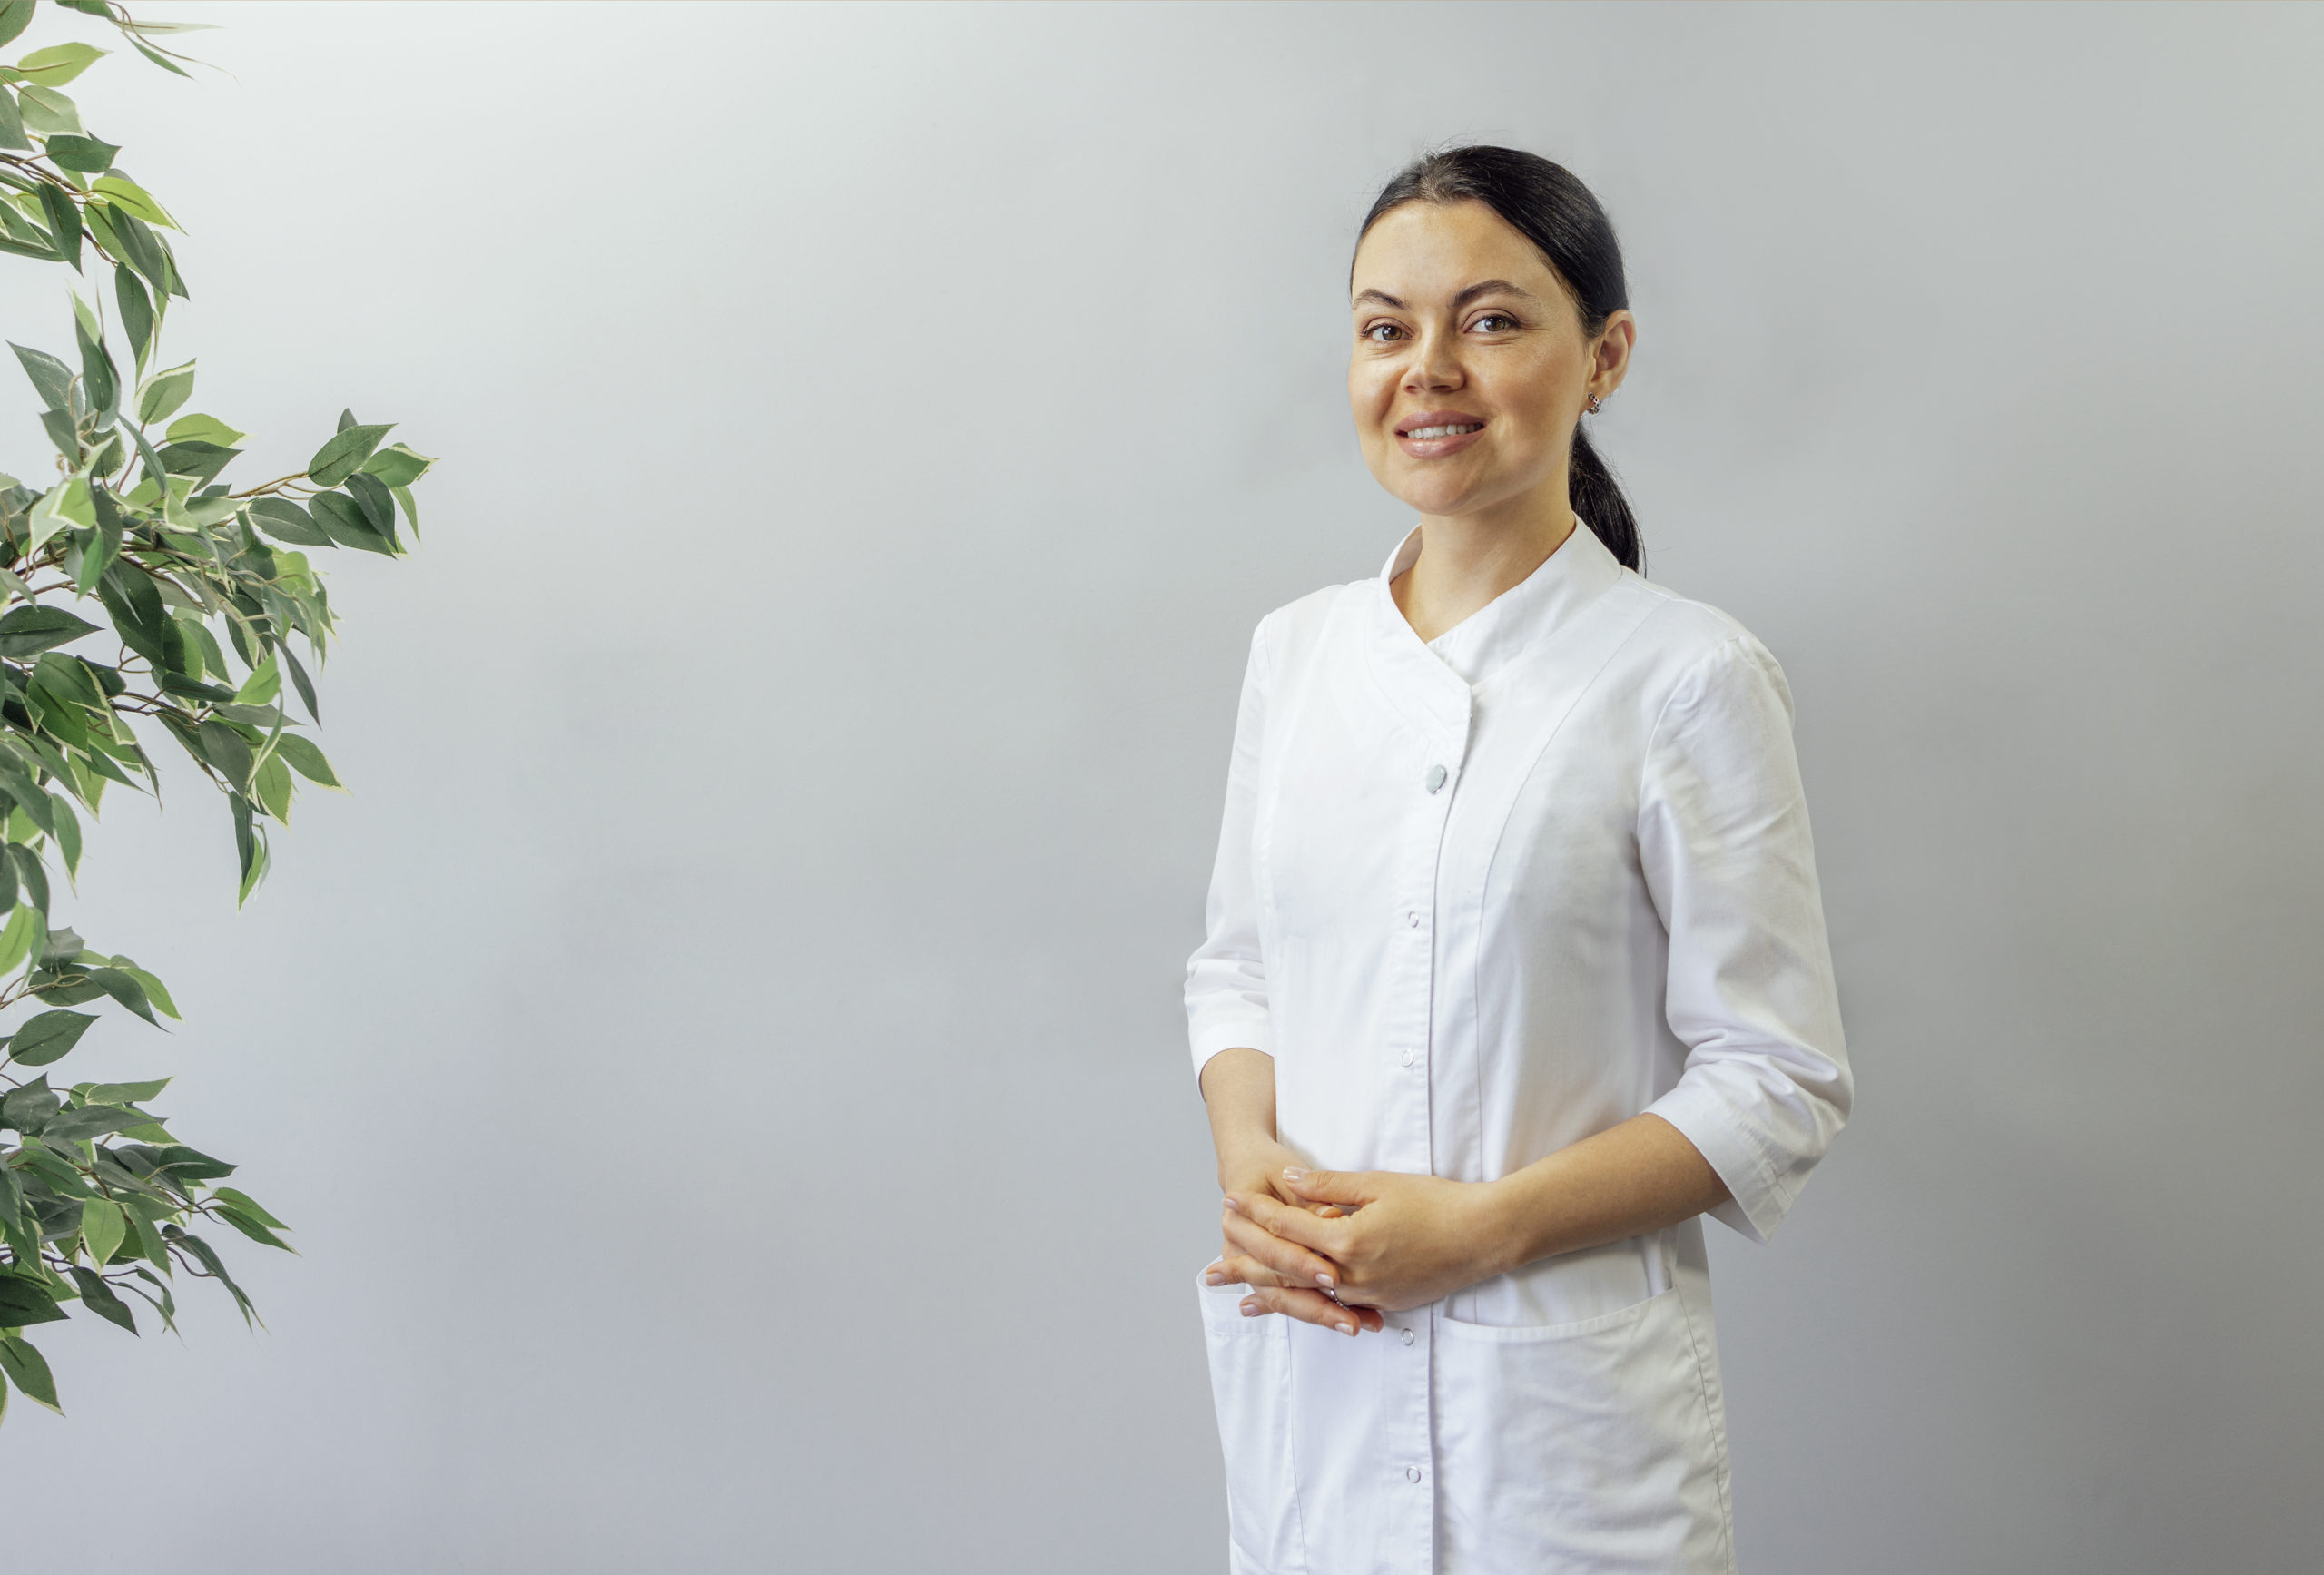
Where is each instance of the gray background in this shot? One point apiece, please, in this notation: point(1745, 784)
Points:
point(725, 1060)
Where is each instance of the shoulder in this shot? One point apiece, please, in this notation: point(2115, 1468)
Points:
point(1288, 636)
point(1693, 651)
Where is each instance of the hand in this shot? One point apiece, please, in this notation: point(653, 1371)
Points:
point(1396, 1241)
point(1258, 1167)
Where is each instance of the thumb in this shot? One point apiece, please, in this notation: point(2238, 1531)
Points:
point(1326, 1185)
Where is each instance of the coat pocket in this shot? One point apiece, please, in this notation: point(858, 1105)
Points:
point(1580, 1447)
point(1250, 1384)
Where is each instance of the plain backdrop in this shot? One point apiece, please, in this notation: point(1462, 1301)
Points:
point(724, 1061)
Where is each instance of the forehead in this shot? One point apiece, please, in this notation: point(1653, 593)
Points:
point(1424, 250)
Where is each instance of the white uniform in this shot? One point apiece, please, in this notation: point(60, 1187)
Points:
point(1481, 898)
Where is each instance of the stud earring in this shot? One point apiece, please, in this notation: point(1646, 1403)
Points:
point(1596, 404)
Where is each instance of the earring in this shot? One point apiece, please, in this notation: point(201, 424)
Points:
point(1596, 404)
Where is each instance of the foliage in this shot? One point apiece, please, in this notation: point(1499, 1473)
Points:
point(138, 543)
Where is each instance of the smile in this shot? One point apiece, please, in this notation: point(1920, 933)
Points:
point(1424, 433)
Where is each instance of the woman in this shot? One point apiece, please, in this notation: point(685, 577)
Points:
point(1515, 966)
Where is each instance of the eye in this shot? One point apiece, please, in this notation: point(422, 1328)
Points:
point(1383, 333)
point(1496, 323)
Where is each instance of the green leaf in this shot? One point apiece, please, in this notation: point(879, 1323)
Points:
point(304, 686)
point(48, 111)
point(397, 466)
point(136, 312)
point(102, 1227)
point(156, 56)
point(98, 1297)
point(97, 374)
point(86, 1121)
point(52, 379)
point(342, 520)
point(68, 834)
point(142, 249)
point(12, 123)
point(48, 1036)
point(63, 223)
point(86, 155)
point(62, 506)
point(203, 429)
point(28, 1108)
point(124, 1093)
point(16, 938)
point(24, 1300)
point(155, 993)
point(252, 1228)
point(120, 192)
point(338, 459)
point(210, 1261)
point(228, 750)
point(250, 847)
point(124, 988)
point(273, 787)
point(243, 1202)
point(305, 759)
point(14, 17)
point(163, 392)
point(261, 686)
point(379, 509)
point(202, 461)
point(34, 880)
point(29, 631)
point(286, 521)
point(59, 63)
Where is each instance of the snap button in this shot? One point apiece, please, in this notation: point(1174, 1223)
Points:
point(1408, 1058)
point(1414, 916)
point(1412, 1473)
point(1436, 777)
point(1408, 1336)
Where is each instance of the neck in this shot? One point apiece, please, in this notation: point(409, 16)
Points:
point(1467, 559)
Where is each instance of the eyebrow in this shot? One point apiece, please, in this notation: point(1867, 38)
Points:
point(1482, 287)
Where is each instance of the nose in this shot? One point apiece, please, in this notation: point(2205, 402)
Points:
point(1434, 365)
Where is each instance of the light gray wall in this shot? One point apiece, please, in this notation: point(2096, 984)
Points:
point(725, 1061)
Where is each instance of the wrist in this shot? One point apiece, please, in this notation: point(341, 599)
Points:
point(1242, 1153)
point(1516, 1229)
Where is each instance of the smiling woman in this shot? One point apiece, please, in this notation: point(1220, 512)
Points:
point(1516, 964)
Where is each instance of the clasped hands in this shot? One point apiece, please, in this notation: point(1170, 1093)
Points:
point(1338, 1248)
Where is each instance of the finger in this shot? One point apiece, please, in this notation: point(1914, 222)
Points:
point(1296, 1225)
point(1307, 1306)
point(1234, 1268)
point(1295, 1263)
point(1344, 1186)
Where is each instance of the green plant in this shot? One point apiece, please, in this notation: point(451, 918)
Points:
point(98, 1200)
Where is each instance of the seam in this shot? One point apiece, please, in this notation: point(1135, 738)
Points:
point(1291, 1446)
point(1720, 1473)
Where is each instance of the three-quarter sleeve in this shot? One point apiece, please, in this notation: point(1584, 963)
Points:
point(1226, 981)
point(1724, 843)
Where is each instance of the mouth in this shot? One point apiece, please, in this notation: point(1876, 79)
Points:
point(1433, 433)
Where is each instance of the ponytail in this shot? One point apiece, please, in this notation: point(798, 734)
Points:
point(1597, 498)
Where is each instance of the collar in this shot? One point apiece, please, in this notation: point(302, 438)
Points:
point(1495, 635)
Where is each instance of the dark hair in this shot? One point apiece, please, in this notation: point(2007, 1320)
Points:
point(1545, 203)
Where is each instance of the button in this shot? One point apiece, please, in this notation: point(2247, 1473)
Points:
point(1436, 777)
point(1414, 916)
point(1412, 1473)
point(1408, 1058)
point(1407, 1335)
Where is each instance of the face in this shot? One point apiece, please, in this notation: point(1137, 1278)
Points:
point(1470, 367)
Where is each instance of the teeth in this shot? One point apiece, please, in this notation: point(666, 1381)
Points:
point(1425, 432)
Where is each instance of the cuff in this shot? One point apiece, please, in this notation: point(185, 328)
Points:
point(1253, 1032)
point(1762, 1193)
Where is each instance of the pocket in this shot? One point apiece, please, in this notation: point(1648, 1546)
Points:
point(1588, 1446)
point(1250, 1384)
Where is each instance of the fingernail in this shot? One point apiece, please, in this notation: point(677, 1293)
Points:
point(1345, 1328)
point(1214, 1278)
point(1325, 1281)
point(1293, 1173)
point(1251, 1309)
point(1230, 1205)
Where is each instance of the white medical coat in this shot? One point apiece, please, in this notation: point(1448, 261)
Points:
point(1480, 900)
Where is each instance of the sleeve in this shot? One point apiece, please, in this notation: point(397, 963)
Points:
point(1226, 981)
point(1724, 843)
